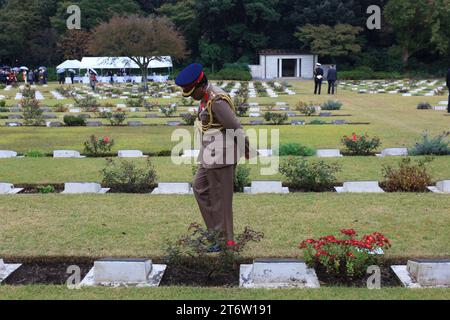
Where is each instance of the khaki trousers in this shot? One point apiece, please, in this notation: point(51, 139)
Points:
point(213, 189)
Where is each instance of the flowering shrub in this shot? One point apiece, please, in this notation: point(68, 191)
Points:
point(198, 243)
point(308, 109)
point(33, 114)
point(332, 105)
point(189, 118)
point(275, 118)
point(345, 255)
point(117, 118)
point(168, 110)
point(361, 145)
point(408, 177)
point(126, 176)
point(98, 147)
point(309, 176)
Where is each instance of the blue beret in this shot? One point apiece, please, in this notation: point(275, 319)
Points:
point(189, 75)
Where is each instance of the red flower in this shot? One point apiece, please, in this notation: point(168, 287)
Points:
point(106, 139)
point(348, 232)
point(354, 137)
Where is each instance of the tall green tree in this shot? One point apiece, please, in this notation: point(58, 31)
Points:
point(323, 40)
point(411, 23)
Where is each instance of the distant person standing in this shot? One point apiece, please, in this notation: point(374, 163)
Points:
point(31, 77)
point(72, 76)
point(92, 80)
point(318, 78)
point(61, 78)
point(448, 87)
point(111, 77)
point(331, 77)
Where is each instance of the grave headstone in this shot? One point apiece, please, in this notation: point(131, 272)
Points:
point(360, 187)
point(130, 154)
point(328, 153)
point(135, 123)
point(277, 273)
point(85, 116)
point(16, 109)
point(124, 272)
point(74, 110)
point(151, 115)
point(7, 154)
point(297, 122)
point(265, 152)
point(7, 269)
point(325, 114)
point(266, 187)
point(441, 187)
point(84, 187)
point(173, 188)
point(254, 115)
point(256, 122)
point(191, 153)
point(13, 124)
point(8, 188)
point(392, 152)
point(173, 123)
point(50, 116)
point(339, 122)
point(66, 154)
point(423, 273)
point(440, 108)
point(94, 124)
point(53, 124)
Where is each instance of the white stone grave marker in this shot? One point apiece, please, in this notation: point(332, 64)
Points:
point(266, 187)
point(84, 187)
point(8, 188)
point(7, 269)
point(67, 154)
point(424, 273)
point(277, 273)
point(173, 188)
point(7, 154)
point(124, 272)
point(130, 154)
point(360, 187)
point(191, 153)
point(441, 187)
point(328, 153)
point(392, 152)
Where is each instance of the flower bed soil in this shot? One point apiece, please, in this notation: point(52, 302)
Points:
point(52, 271)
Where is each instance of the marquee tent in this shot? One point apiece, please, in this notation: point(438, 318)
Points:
point(121, 63)
point(69, 64)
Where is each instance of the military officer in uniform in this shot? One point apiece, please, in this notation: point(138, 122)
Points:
point(223, 143)
point(318, 78)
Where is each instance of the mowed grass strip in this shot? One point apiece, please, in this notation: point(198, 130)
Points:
point(49, 170)
point(139, 225)
point(190, 293)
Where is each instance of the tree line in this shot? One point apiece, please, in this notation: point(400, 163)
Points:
point(414, 34)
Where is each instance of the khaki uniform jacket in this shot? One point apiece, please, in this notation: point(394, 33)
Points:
point(225, 146)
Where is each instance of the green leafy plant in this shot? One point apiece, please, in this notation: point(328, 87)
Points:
point(32, 112)
point(408, 176)
point(97, 147)
point(295, 149)
point(60, 108)
point(117, 118)
point(126, 176)
point(34, 154)
point(168, 110)
point(74, 121)
point(87, 104)
point(45, 189)
point(276, 118)
point(241, 178)
point(307, 109)
point(309, 176)
point(361, 145)
point(189, 102)
point(197, 245)
point(189, 118)
point(317, 121)
point(345, 256)
point(332, 105)
point(438, 145)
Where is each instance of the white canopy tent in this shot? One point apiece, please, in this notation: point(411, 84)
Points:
point(122, 63)
point(69, 64)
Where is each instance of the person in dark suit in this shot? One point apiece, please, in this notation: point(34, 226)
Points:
point(448, 87)
point(331, 77)
point(318, 78)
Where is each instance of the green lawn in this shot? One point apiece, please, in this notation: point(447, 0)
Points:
point(49, 170)
point(139, 225)
point(186, 293)
point(134, 225)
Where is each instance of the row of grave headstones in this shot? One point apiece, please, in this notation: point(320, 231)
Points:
point(320, 153)
point(424, 88)
point(57, 124)
point(262, 273)
point(257, 187)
